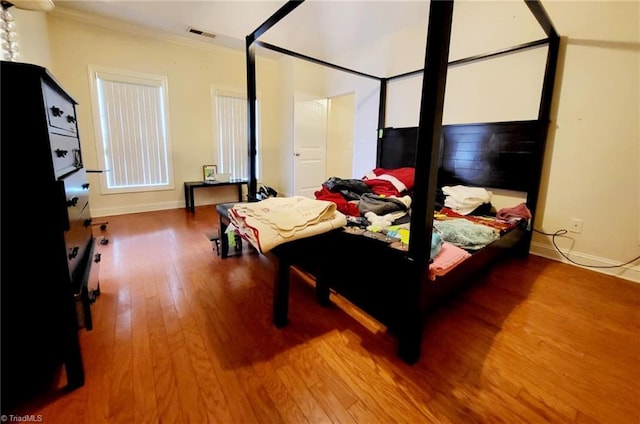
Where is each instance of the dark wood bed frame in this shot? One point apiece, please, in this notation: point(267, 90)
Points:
point(397, 291)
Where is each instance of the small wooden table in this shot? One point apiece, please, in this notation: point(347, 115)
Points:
point(189, 186)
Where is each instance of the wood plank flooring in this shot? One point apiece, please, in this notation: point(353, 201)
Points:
point(182, 336)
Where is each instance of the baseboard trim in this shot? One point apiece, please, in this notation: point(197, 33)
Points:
point(628, 272)
point(149, 207)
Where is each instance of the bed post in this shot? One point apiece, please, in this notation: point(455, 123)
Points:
point(426, 173)
point(544, 112)
point(382, 111)
point(252, 186)
point(429, 128)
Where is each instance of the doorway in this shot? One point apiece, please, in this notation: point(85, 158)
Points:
point(323, 141)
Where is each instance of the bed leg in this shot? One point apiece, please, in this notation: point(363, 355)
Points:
point(281, 294)
point(409, 343)
point(522, 248)
point(410, 328)
point(322, 289)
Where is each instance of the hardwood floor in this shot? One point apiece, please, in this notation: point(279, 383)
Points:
point(183, 336)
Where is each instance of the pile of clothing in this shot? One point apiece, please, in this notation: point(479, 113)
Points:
point(465, 200)
point(381, 198)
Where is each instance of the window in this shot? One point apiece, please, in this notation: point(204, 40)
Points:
point(130, 116)
point(231, 130)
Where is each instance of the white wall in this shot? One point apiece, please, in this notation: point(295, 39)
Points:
point(284, 150)
point(591, 168)
point(366, 95)
point(295, 78)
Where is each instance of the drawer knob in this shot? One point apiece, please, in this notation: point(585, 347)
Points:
point(61, 153)
point(85, 186)
point(56, 111)
point(73, 202)
point(71, 119)
point(87, 222)
point(97, 258)
point(74, 252)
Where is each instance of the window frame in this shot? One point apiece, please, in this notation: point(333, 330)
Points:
point(126, 76)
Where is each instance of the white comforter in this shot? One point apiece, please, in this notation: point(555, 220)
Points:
point(276, 220)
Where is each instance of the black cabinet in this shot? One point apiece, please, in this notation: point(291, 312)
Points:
point(47, 245)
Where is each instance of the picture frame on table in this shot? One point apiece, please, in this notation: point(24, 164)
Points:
point(209, 172)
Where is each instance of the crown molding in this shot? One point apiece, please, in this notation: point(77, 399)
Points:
point(147, 32)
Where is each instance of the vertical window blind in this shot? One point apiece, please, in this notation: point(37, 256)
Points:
point(231, 117)
point(133, 130)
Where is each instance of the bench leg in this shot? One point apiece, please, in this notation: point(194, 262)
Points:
point(238, 240)
point(224, 241)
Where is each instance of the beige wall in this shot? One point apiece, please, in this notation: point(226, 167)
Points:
point(192, 69)
point(592, 166)
point(340, 119)
point(592, 163)
point(33, 37)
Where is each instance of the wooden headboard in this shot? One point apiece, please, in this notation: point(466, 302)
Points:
point(505, 155)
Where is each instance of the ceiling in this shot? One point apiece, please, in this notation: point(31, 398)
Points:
point(349, 26)
point(230, 21)
point(345, 25)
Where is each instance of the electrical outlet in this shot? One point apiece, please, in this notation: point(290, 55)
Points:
point(575, 225)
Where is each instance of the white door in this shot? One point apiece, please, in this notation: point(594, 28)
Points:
point(309, 146)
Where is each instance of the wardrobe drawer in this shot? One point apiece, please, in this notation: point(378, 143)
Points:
point(61, 111)
point(87, 287)
point(93, 281)
point(77, 239)
point(76, 191)
point(78, 235)
point(65, 152)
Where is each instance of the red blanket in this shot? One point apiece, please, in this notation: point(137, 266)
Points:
point(390, 182)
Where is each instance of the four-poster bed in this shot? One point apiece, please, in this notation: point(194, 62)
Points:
point(400, 292)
